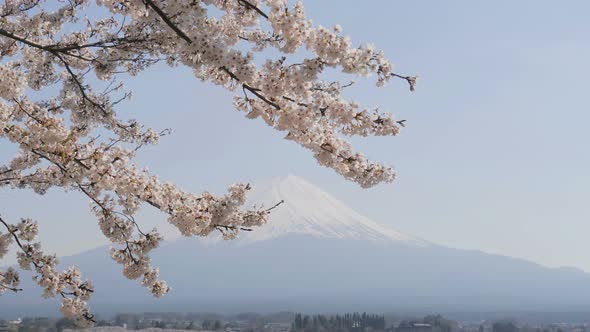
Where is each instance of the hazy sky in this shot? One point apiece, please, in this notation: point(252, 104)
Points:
point(494, 156)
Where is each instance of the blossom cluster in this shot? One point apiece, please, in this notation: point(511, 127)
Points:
point(67, 284)
point(76, 140)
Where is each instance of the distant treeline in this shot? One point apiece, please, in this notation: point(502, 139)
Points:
point(351, 322)
point(437, 322)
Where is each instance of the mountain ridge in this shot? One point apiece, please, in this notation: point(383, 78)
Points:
point(316, 254)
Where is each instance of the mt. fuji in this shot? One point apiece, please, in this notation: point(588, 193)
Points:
point(307, 210)
point(316, 254)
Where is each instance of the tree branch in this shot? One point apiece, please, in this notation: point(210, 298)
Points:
point(249, 5)
point(167, 20)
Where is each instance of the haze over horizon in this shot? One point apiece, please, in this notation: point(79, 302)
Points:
point(306, 210)
point(320, 255)
point(492, 157)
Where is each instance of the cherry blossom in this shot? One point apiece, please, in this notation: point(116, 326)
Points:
point(54, 47)
point(67, 284)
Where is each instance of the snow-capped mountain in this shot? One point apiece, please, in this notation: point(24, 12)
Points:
point(307, 210)
point(316, 254)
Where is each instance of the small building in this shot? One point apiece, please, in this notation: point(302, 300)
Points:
point(417, 327)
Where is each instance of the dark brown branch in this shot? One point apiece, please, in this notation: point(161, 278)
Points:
point(16, 290)
point(254, 91)
point(22, 109)
point(275, 206)
point(410, 79)
point(111, 43)
point(167, 20)
point(79, 84)
point(260, 96)
point(251, 6)
point(16, 239)
point(20, 39)
point(247, 229)
point(222, 227)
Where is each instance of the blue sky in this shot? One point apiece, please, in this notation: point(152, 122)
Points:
point(494, 156)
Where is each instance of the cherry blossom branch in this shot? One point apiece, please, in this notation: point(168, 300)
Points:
point(74, 301)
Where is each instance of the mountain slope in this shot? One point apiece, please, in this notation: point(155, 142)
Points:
point(309, 210)
point(318, 255)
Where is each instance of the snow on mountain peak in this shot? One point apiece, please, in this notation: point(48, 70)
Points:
point(307, 210)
